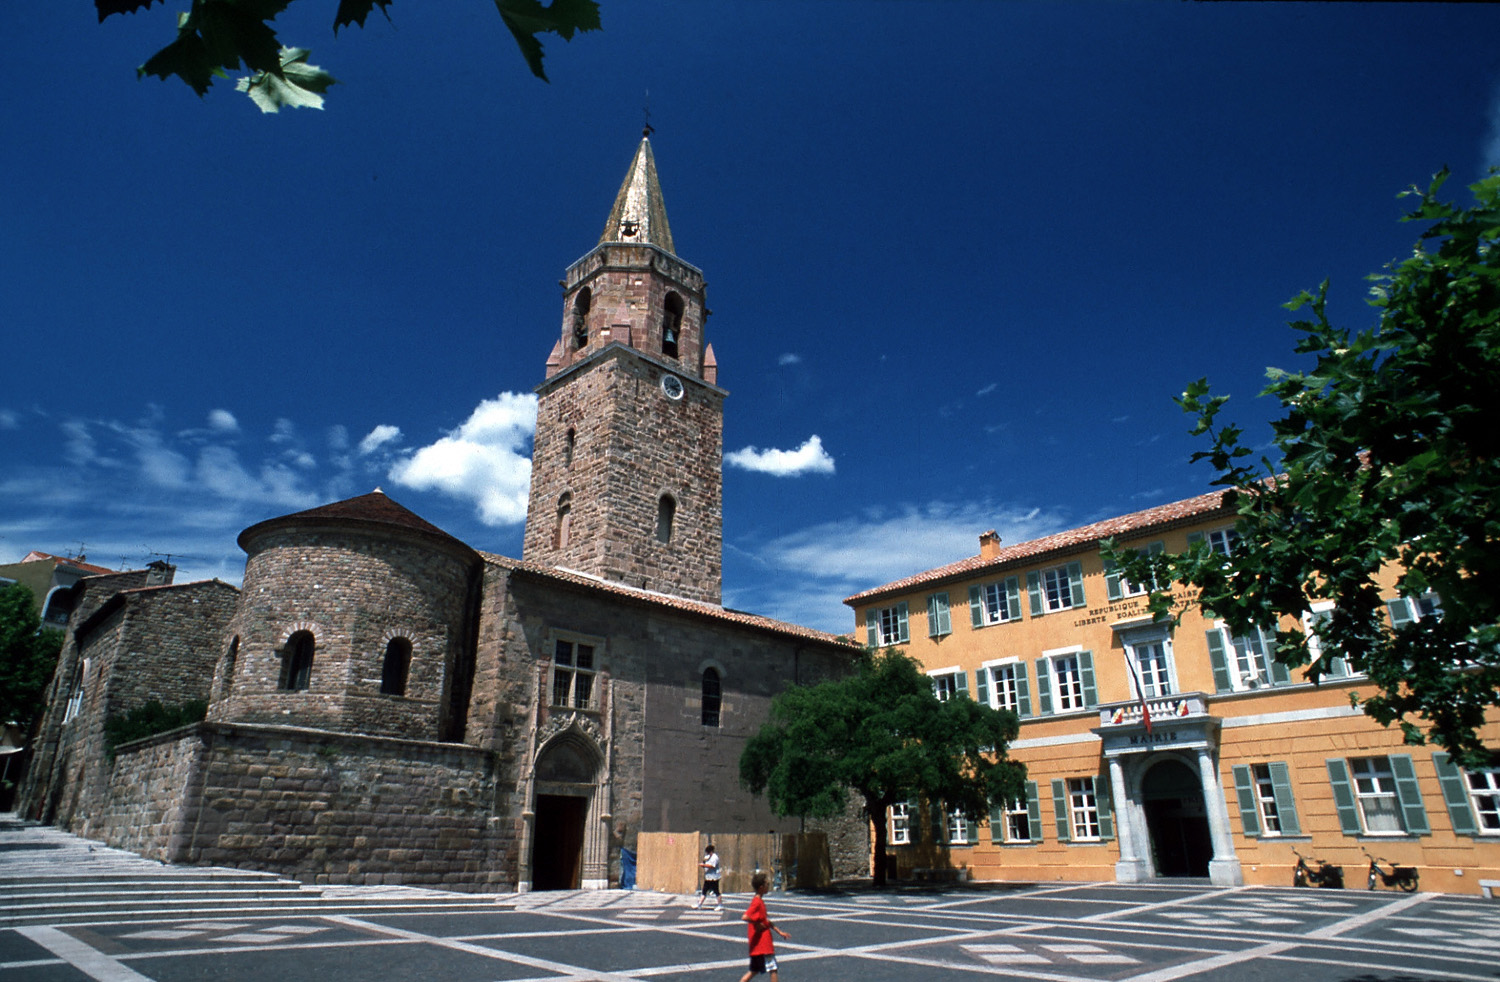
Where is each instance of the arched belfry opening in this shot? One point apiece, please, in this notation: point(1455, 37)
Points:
point(671, 324)
point(582, 301)
point(569, 847)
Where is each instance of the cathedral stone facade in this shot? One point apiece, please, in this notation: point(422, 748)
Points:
point(387, 704)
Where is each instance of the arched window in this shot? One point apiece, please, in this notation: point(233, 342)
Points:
point(569, 443)
point(563, 534)
point(296, 662)
point(671, 324)
point(581, 305)
point(666, 513)
point(397, 665)
point(713, 696)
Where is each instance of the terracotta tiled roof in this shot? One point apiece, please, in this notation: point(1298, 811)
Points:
point(375, 508)
point(1069, 541)
point(36, 557)
point(558, 574)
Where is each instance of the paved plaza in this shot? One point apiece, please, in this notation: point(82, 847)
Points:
point(71, 911)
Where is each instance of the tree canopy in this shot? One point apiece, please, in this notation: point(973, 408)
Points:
point(27, 657)
point(216, 37)
point(883, 734)
point(1389, 460)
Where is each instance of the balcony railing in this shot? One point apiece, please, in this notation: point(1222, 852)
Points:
point(1183, 705)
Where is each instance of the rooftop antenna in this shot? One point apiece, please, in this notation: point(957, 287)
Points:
point(81, 556)
point(647, 129)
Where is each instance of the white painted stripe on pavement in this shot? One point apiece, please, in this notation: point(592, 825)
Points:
point(1211, 964)
point(1380, 913)
point(91, 962)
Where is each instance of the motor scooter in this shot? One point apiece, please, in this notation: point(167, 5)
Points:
point(1325, 875)
point(1402, 877)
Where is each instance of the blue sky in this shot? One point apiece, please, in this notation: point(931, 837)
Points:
point(960, 257)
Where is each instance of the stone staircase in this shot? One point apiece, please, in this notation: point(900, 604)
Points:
point(51, 877)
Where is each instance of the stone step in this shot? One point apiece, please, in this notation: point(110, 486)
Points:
point(18, 915)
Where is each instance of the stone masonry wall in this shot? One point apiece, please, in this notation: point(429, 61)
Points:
point(668, 771)
point(354, 592)
point(321, 807)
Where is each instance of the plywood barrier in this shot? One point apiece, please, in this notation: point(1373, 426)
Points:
point(668, 861)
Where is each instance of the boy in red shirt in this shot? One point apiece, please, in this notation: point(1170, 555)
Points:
point(762, 948)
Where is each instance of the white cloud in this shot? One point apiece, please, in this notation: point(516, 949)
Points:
point(988, 389)
point(818, 566)
point(285, 432)
point(219, 470)
point(810, 458)
point(223, 421)
point(486, 460)
point(9, 420)
point(378, 437)
point(789, 358)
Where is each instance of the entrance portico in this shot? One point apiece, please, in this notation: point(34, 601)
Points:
point(1159, 814)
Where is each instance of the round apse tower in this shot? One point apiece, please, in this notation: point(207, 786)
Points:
point(358, 617)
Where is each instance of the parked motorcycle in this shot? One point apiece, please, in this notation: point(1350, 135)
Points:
point(1402, 877)
point(1325, 875)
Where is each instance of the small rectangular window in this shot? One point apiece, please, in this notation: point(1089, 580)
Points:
point(958, 828)
point(573, 675)
point(1265, 800)
point(1083, 808)
point(1017, 821)
point(1484, 794)
point(1375, 793)
point(900, 819)
point(887, 625)
point(1067, 683)
point(948, 684)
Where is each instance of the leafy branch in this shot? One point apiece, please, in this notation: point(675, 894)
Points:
point(216, 37)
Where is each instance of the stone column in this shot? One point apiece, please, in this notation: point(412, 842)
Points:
point(1131, 868)
point(1224, 869)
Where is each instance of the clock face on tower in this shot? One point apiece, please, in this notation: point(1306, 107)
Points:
point(671, 386)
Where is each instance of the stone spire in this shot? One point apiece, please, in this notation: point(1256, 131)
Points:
point(640, 213)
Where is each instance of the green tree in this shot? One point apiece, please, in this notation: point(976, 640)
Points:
point(27, 657)
point(883, 734)
point(216, 37)
point(1389, 456)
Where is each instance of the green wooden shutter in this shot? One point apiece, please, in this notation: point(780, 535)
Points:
point(963, 683)
point(1112, 580)
point(976, 606)
point(1343, 795)
point(871, 620)
point(1104, 801)
point(1043, 687)
point(982, 685)
point(935, 822)
point(938, 620)
point(1023, 690)
point(1013, 598)
point(1075, 583)
point(901, 633)
point(997, 823)
point(1244, 790)
point(1034, 590)
point(1060, 810)
point(1400, 611)
point(1455, 795)
point(1219, 659)
point(1034, 811)
point(1280, 675)
point(1086, 675)
point(1409, 794)
point(1286, 805)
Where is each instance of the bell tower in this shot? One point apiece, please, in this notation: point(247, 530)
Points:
point(627, 463)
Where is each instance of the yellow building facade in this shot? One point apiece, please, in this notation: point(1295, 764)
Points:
point(1244, 764)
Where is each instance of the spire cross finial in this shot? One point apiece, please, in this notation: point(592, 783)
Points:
point(647, 129)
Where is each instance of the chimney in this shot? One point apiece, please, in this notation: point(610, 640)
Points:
point(159, 572)
point(989, 544)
